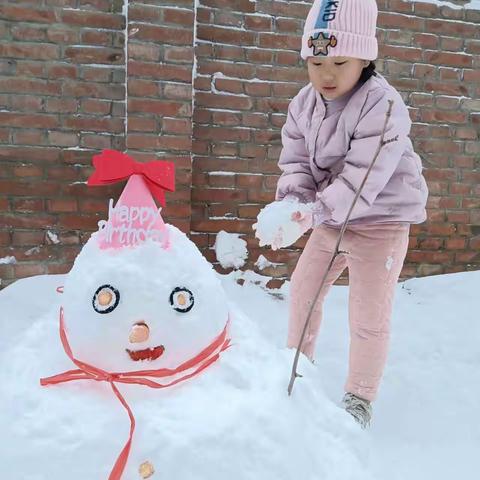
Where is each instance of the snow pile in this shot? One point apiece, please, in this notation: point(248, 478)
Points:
point(236, 420)
point(230, 249)
point(8, 260)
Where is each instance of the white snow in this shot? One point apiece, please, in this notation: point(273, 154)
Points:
point(473, 4)
point(53, 237)
point(262, 263)
point(275, 226)
point(9, 260)
point(236, 420)
point(389, 263)
point(230, 249)
point(32, 251)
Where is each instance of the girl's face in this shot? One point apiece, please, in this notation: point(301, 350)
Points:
point(339, 73)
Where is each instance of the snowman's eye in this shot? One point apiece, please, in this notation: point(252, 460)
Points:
point(106, 299)
point(181, 299)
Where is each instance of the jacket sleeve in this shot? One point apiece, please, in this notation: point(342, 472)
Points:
point(339, 195)
point(296, 178)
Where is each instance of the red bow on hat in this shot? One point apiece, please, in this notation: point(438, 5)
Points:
point(112, 166)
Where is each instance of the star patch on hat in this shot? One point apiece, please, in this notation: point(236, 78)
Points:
point(321, 43)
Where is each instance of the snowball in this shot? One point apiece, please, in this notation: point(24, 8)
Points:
point(230, 249)
point(275, 224)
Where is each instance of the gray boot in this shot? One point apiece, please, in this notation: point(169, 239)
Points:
point(359, 408)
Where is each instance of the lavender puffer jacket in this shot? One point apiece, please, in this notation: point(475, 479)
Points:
point(327, 148)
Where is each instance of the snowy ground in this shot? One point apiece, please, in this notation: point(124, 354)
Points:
point(236, 420)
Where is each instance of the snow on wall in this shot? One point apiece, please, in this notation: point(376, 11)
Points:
point(473, 4)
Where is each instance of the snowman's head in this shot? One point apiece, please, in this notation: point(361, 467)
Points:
point(142, 307)
point(140, 295)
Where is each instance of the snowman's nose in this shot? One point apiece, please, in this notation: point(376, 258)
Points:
point(139, 333)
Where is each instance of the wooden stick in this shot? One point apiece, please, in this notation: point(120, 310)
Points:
point(336, 252)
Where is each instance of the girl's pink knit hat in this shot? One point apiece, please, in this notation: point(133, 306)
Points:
point(345, 28)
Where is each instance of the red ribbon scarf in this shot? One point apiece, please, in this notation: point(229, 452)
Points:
point(112, 166)
point(88, 372)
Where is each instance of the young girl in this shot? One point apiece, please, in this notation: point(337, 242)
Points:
point(332, 132)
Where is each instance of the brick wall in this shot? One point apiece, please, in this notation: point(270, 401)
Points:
point(63, 97)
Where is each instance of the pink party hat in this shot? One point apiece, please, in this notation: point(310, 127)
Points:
point(134, 219)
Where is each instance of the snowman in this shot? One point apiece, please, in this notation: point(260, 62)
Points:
point(141, 305)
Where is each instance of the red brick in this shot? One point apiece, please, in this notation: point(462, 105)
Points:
point(28, 137)
point(99, 142)
point(179, 17)
point(67, 172)
point(37, 120)
point(395, 20)
point(180, 54)
point(180, 92)
point(160, 107)
point(91, 105)
point(177, 125)
point(225, 35)
point(180, 73)
point(213, 226)
point(445, 58)
point(26, 103)
point(28, 205)
point(62, 71)
point(79, 222)
point(223, 101)
point(100, 55)
point(450, 73)
point(145, 13)
point(62, 139)
point(141, 124)
point(57, 268)
point(62, 205)
point(401, 53)
point(28, 238)
point(95, 124)
point(452, 44)
point(58, 34)
point(425, 40)
point(239, 5)
point(28, 33)
point(443, 116)
point(451, 28)
point(163, 34)
point(446, 88)
point(95, 37)
point(27, 221)
point(19, 13)
point(93, 19)
point(4, 239)
point(37, 51)
point(27, 171)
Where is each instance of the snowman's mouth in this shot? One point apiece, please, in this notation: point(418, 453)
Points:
point(146, 354)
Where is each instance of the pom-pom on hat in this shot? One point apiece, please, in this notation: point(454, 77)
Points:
point(343, 28)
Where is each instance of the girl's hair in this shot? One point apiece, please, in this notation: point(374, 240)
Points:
point(367, 72)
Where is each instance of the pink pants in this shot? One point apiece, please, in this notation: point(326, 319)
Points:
point(375, 257)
